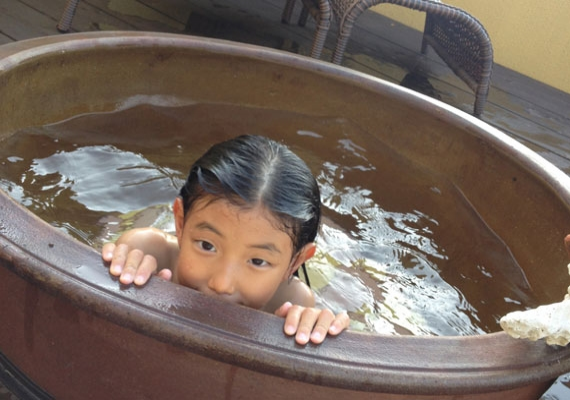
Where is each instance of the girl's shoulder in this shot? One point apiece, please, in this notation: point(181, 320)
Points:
point(294, 291)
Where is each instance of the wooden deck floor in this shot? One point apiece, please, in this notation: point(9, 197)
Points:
point(533, 113)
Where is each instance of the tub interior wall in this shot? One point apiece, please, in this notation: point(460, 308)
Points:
point(510, 199)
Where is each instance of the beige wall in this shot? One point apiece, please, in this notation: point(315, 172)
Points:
point(530, 37)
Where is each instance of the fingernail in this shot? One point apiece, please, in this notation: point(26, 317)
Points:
point(316, 336)
point(115, 269)
point(333, 329)
point(126, 278)
point(289, 329)
point(302, 338)
point(139, 280)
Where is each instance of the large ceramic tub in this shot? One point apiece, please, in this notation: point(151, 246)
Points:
point(69, 331)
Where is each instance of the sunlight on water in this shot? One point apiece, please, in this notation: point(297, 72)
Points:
point(68, 171)
point(381, 274)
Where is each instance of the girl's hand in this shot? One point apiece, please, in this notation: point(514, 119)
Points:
point(312, 324)
point(131, 265)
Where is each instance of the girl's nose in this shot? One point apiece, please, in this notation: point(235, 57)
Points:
point(222, 280)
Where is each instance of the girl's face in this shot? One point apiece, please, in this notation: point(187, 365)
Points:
point(239, 255)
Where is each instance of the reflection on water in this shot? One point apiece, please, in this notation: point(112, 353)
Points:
point(401, 248)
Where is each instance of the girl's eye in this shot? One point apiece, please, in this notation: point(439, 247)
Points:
point(258, 262)
point(206, 246)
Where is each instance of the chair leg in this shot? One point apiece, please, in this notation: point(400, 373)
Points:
point(428, 28)
point(345, 28)
point(288, 11)
point(323, 25)
point(480, 98)
point(64, 24)
point(303, 17)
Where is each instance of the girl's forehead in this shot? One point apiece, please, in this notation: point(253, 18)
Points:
point(222, 208)
point(234, 207)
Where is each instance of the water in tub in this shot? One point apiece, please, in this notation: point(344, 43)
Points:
point(401, 249)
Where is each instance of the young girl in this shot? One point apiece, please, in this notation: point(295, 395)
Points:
point(246, 220)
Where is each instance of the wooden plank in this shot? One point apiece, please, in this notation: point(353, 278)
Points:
point(94, 15)
point(19, 21)
point(5, 39)
point(548, 104)
point(546, 115)
point(255, 22)
point(87, 17)
point(178, 10)
point(139, 15)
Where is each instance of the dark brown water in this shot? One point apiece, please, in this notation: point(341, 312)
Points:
point(401, 248)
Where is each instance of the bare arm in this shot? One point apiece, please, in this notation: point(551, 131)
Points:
point(295, 292)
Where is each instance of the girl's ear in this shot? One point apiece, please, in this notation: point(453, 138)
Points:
point(303, 255)
point(178, 209)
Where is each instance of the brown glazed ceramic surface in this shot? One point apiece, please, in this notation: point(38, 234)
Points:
point(73, 331)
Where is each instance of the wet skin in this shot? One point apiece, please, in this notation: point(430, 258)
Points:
point(237, 254)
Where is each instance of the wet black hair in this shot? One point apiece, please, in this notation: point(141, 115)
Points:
point(253, 170)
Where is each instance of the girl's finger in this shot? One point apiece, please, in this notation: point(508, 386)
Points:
point(165, 274)
point(107, 251)
point(120, 254)
point(146, 268)
point(132, 264)
point(308, 319)
point(292, 319)
point(322, 326)
point(284, 309)
point(340, 323)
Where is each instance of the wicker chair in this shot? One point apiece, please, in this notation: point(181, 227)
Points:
point(321, 12)
point(66, 18)
point(457, 37)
